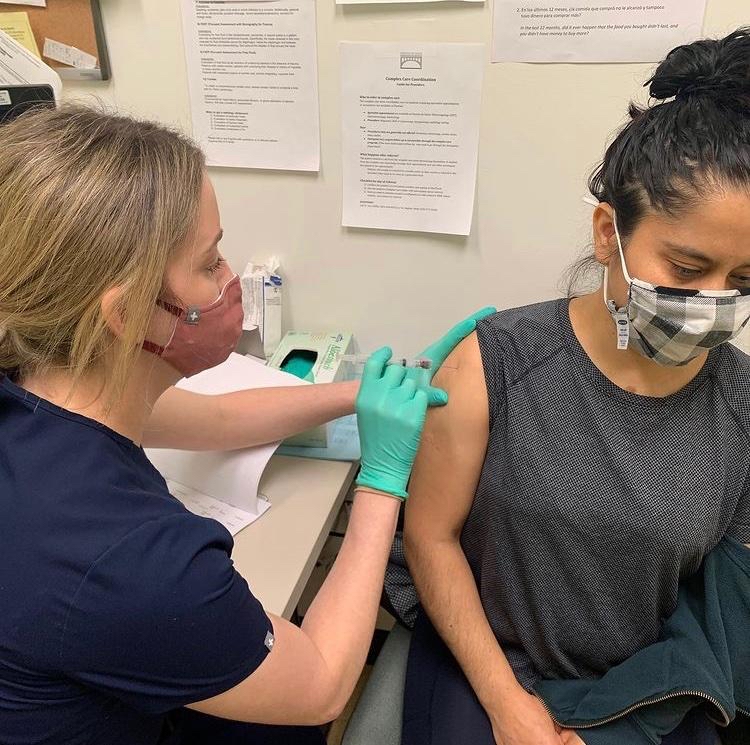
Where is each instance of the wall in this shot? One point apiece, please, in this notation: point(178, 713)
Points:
point(543, 129)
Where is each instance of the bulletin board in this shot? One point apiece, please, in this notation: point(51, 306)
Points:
point(76, 23)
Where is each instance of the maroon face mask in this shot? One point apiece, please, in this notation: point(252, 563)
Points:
point(204, 336)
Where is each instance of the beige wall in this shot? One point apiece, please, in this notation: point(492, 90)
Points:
point(543, 129)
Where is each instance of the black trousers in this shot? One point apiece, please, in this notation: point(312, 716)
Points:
point(192, 728)
point(440, 707)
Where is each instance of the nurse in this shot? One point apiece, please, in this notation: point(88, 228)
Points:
point(119, 607)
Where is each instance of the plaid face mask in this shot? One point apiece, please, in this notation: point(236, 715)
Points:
point(673, 326)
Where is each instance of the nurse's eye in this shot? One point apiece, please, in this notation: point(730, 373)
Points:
point(742, 280)
point(216, 265)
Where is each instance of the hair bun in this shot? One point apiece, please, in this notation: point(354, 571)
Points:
point(706, 67)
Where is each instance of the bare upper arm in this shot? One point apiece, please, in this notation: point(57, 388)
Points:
point(291, 686)
point(173, 418)
point(450, 458)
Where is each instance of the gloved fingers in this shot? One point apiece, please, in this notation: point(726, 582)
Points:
point(436, 396)
point(394, 375)
point(421, 376)
point(478, 315)
point(405, 392)
point(416, 408)
point(439, 351)
point(376, 363)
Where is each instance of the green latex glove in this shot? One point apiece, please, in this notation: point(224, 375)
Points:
point(439, 351)
point(390, 415)
point(392, 406)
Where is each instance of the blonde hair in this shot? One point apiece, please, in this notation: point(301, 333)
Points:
point(88, 201)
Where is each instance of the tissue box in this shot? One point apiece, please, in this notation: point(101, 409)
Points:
point(251, 344)
point(319, 355)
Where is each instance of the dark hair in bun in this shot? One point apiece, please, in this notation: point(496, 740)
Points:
point(693, 136)
point(711, 68)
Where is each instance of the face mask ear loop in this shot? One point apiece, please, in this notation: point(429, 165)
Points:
point(622, 254)
point(619, 315)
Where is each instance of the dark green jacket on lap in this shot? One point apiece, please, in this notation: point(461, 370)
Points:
point(702, 658)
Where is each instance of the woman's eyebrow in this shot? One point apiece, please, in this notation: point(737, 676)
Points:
point(693, 253)
point(688, 252)
point(218, 237)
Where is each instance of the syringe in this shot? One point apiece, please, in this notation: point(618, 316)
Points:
point(419, 362)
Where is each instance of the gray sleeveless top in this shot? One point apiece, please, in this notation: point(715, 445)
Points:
point(593, 502)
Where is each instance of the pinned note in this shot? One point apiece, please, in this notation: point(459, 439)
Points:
point(591, 31)
point(410, 121)
point(17, 26)
point(253, 81)
point(68, 55)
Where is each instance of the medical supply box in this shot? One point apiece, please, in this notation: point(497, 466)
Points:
point(315, 358)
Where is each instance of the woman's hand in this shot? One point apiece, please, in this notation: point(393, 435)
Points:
point(569, 737)
point(523, 720)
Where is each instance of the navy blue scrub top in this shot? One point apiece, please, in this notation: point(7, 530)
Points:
point(116, 604)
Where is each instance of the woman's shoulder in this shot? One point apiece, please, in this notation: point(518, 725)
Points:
point(528, 320)
point(518, 339)
point(732, 378)
point(737, 361)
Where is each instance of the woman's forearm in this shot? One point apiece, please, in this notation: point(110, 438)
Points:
point(341, 619)
point(191, 421)
point(448, 593)
point(274, 414)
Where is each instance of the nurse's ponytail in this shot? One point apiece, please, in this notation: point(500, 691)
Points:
point(88, 201)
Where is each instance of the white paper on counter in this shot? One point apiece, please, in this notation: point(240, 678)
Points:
point(538, 31)
point(232, 518)
point(410, 134)
point(253, 79)
point(231, 476)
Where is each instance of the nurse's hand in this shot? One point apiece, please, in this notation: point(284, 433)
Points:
point(391, 412)
point(439, 351)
